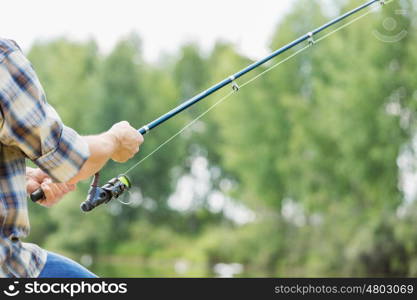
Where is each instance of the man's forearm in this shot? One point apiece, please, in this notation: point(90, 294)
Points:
point(102, 147)
point(119, 143)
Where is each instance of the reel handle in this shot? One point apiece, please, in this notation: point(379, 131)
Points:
point(37, 195)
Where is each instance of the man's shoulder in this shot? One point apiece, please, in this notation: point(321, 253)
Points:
point(6, 47)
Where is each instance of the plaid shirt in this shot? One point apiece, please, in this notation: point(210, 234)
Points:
point(29, 128)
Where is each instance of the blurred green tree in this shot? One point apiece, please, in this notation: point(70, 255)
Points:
point(313, 148)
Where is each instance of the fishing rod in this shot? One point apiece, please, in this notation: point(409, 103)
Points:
point(116, 186)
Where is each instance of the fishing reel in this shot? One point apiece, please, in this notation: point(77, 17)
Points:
point(99, 195)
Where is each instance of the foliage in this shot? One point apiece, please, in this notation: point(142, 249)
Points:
point(312, 148)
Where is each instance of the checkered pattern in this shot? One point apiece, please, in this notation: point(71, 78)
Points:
point(29, 128)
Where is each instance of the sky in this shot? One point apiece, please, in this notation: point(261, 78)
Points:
point(162, 25)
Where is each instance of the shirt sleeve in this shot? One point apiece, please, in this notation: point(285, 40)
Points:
point(32, 125)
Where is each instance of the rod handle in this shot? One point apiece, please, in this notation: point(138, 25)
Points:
point(37, 195)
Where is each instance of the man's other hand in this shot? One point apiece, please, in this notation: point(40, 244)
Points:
point(36, 178)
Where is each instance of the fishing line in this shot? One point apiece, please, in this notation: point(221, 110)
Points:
point(236, 88)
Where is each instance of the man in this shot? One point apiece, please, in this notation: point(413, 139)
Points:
point(31, 129)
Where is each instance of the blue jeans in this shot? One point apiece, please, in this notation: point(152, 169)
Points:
point(58, 266)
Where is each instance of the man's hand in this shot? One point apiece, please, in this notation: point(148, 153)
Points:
point(128, 140)
point(36, 178)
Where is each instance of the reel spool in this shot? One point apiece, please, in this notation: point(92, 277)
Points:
point(99, 195)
